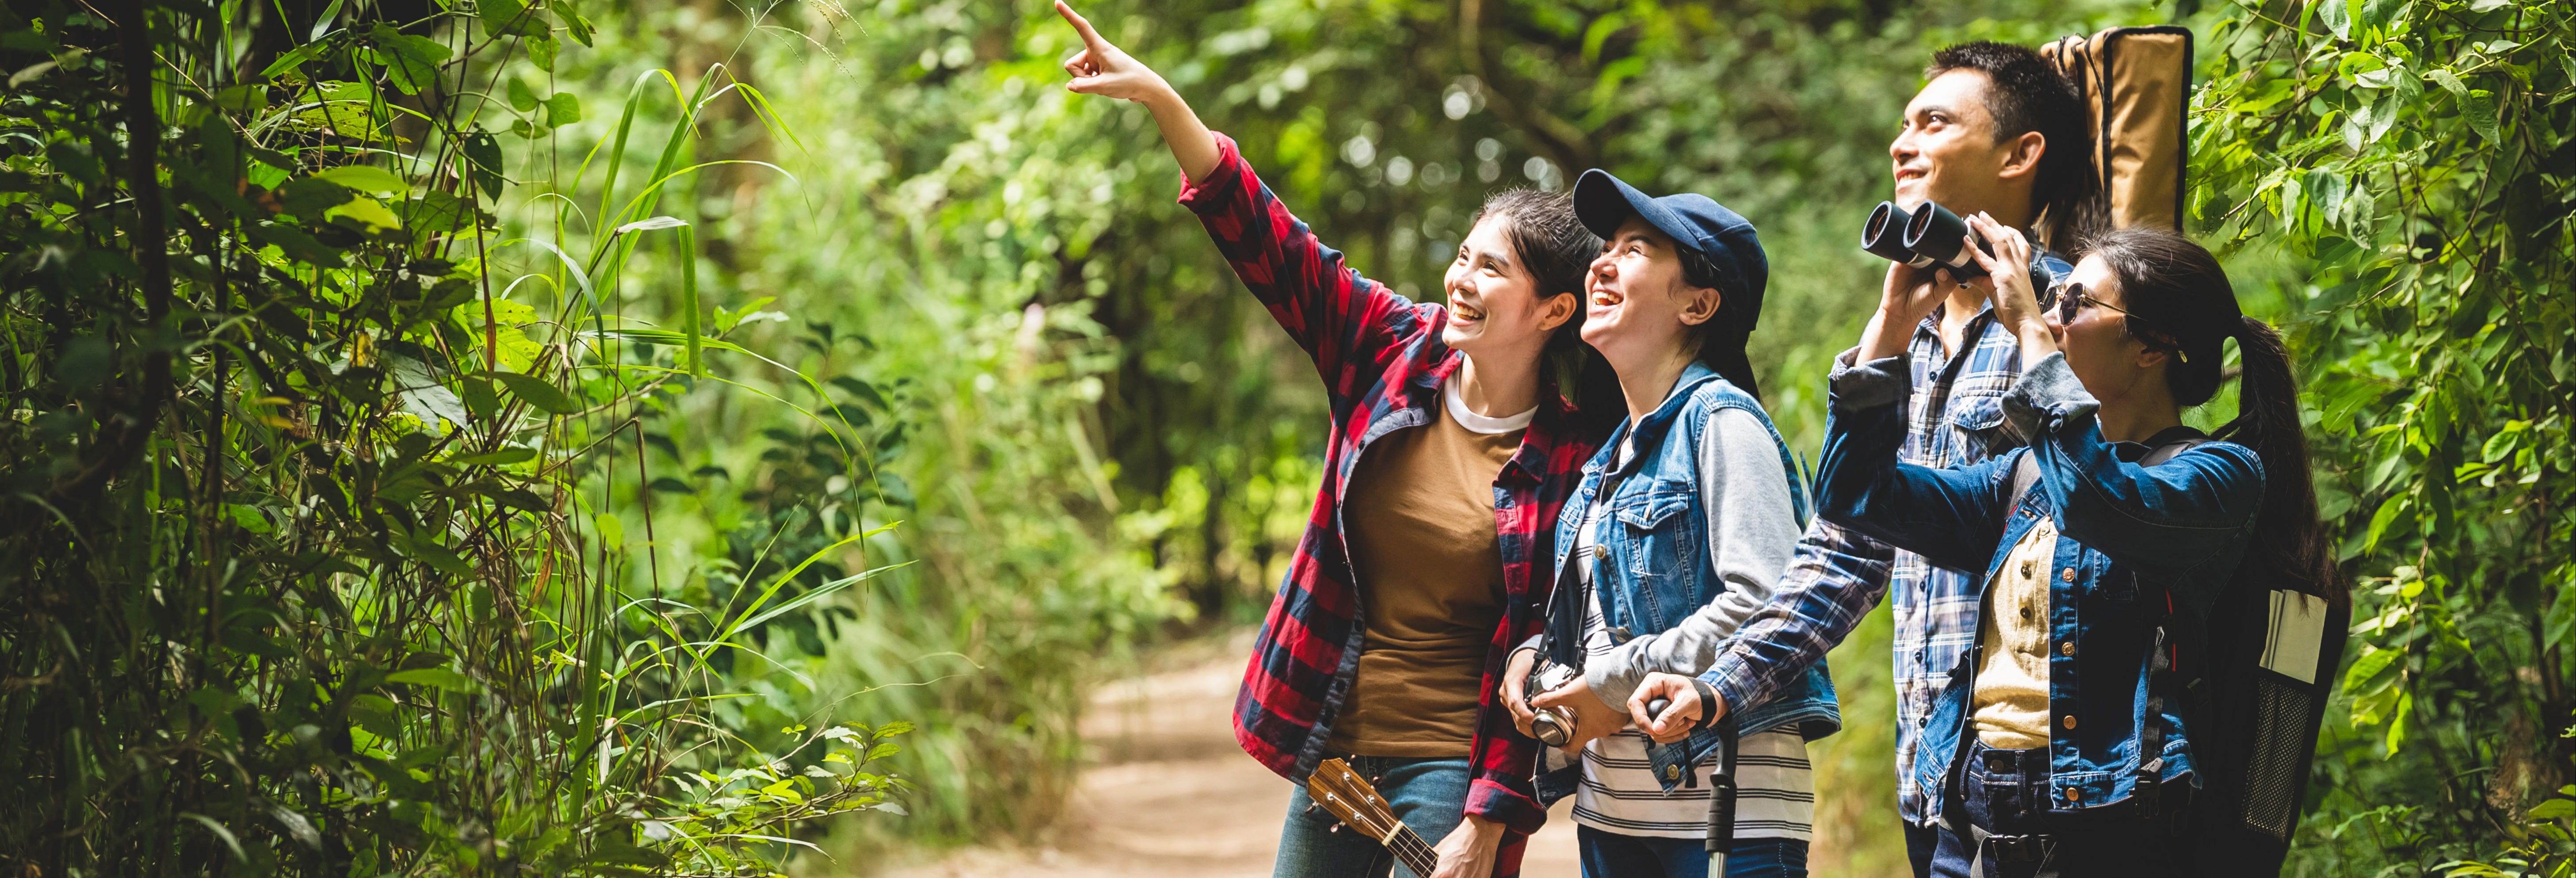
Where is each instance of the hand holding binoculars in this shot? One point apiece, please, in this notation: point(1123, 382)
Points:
point(1928, 237)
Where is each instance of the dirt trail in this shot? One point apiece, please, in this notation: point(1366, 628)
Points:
point(1169, 794)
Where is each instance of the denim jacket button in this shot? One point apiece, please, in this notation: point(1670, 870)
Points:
point(1672, 772)
point(2069, 575)
point(2070, 725)
point(2067, 648)
point(1600, 551)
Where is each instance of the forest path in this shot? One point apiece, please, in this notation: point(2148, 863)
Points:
point(1168, 793)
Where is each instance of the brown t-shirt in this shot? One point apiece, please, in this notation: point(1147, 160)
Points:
point(1420, 516)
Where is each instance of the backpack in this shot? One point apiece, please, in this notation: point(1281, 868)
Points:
point(2136, 84)
point(2252, 678)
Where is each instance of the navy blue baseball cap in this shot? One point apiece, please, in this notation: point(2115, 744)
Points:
point(1695, 222)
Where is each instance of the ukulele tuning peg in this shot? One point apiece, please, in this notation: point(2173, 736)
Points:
point(1336, 828)
point(1377, 780)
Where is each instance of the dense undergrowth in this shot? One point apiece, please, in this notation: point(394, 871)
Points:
point(547, 430)
point(322, 552)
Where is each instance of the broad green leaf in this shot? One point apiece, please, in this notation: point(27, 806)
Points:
point(2381, 520)
point(521, 98)
point(541, 52)
point(348, 120)
point(366, 210)
point(509, 18)
point(484, 152)
point(2338, 16)
point(2366, 670)
point(249, 518)
point(537, 392)
point(563, 109)
point(2553, 809)
point(364, 178)
point(2480, 109)
point(611, 529)
point(411, 62)
point(580, 27)
point(434, 213)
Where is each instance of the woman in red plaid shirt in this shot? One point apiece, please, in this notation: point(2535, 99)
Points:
point(1452, 451)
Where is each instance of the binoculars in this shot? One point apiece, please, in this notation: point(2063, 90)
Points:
point(1928, 237)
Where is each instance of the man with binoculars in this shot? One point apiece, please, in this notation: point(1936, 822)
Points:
point(1998, 131)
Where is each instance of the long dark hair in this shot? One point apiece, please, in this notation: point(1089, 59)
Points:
point(1558, 252)
point(2182, 303)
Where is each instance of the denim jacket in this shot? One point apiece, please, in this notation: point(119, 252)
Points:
point(2132, 536)
point(1655, 569)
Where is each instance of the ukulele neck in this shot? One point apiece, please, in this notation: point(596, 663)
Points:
point(1415, 853)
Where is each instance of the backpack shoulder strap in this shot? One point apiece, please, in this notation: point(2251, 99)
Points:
point(2025, 474)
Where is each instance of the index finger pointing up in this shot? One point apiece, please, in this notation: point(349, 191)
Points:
point(1090, 38)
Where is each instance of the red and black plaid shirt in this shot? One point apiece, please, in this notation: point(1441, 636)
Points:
point(1382, 362)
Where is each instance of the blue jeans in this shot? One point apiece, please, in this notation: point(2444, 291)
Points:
point(1429, 795)
point(2006, 794)
point(1611, 855)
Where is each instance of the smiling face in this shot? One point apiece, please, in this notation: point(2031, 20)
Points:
point(1946, 151)
point(1636, 307)
point(1495, 309)
point(2111, 361)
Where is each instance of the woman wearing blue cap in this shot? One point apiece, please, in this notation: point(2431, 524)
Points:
point(1677, 532)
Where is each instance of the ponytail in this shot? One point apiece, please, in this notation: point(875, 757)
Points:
point(2180, 300)
point(2287, 536)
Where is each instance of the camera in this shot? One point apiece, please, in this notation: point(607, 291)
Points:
point(1553, 725)
point(1929, 236)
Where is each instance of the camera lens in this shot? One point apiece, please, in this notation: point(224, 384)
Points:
point(1550, 731)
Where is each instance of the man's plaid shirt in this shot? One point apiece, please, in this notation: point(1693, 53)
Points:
point(1382, 362)
point(1954, 418)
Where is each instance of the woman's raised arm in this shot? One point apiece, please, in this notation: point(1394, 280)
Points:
point(1105, 70)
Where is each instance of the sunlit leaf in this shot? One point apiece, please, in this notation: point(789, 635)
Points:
point(364, 178)
point(537, 392)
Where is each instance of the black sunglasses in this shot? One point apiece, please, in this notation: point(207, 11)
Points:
point(2073, 299)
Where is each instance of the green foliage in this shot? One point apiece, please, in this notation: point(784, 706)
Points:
point(1102, 420)
point(316, 561)
point(2414, 165)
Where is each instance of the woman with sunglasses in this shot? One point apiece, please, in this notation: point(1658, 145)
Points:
point(2122, 522)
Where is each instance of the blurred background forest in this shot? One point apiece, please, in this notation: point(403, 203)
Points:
point(986, 416)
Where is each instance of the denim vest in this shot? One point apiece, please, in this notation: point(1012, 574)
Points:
point(1655, 568)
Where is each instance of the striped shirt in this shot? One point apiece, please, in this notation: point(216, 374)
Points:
point(1775, 791)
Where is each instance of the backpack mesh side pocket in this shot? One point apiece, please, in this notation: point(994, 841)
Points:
point(2281, 722)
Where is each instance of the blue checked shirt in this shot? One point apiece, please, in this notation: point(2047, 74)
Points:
point(1953, 418)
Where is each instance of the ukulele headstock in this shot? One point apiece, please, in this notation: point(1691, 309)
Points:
point(1341, 791)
